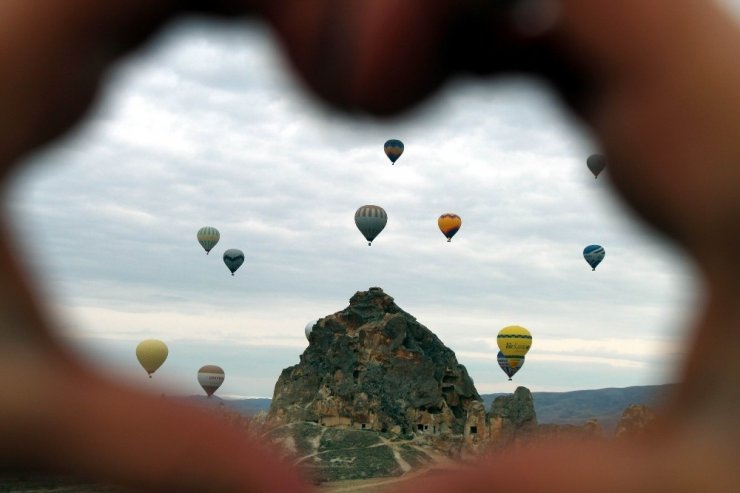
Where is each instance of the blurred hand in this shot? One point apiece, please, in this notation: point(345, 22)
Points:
point(657, 82)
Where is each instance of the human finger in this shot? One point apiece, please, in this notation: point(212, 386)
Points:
point(102, 431)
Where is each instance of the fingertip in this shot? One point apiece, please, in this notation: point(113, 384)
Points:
point(374, 56)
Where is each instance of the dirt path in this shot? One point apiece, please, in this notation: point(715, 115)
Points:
point(378, 485)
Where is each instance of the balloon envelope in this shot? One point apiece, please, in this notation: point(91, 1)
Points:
point(151, 353)
point(233, 258)
point(514, 340)
point(309, 328)
point(449, 224)
point(370, 220)
point(393, 149)
point(210, 377)
point(208, 237)
point(510, 364)
point(594, 254)
point(596, 163)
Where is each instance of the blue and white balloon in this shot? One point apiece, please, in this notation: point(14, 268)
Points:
point(594, 254)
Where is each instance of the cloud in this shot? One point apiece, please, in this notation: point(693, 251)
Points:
point(207, 128)
point(632, 353)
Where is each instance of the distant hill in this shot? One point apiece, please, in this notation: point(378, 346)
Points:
point(577, 407)
point(246, 407)
point(249, 407)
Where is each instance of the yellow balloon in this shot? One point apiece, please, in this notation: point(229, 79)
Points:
point(151, 353)
point(514, 340)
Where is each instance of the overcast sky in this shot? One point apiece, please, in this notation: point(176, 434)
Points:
point(207, 127)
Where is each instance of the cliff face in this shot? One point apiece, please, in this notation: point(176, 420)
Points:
point(513, 417)
point(373, 366)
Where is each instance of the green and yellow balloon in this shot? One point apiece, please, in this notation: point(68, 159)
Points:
point(370, 220)
point(208, 236)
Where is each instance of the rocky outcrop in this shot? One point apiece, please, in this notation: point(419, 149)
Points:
point(512, 417)
point(373, 366)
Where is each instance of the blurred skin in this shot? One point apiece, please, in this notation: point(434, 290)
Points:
point(657, 82)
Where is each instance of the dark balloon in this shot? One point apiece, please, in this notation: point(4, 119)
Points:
point(596, 163)
point(594, 254)
point(393, 149)
point(233, 258)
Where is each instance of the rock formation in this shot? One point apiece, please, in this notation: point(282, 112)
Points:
point(512, 417)
point(373, 366)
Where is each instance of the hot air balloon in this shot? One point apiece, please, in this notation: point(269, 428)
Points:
point(596, 163)
point(393, 149)
point(151, 353)
point(514, 340)
point(370, 220)
point(449, 224)
point(309, 328)
point(510, 364)
point(594, 254)
point(208, 237)
point(233, 258)
point(210, 377)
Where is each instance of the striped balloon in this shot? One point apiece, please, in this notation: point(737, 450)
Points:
point(510, 364)
point(210, 377)
point(514, 340)
point(370, 220)
point(233, 258)
point(594, 254)
point(449, 224)
point(393, 149)
point(208, 237)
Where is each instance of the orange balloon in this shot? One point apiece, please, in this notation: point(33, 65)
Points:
point(449, 224)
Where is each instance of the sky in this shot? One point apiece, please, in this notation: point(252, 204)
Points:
point(207, 127)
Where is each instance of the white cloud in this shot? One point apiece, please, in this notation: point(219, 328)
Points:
point(207, 129)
